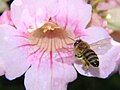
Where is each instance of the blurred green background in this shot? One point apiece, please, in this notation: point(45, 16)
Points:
point(81, 83)
point(86, 83)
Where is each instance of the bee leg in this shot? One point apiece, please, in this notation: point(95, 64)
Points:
point(86, 65)
point(78, 56)
point(84, 62)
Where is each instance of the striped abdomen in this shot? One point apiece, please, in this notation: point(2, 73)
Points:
point(91, 57)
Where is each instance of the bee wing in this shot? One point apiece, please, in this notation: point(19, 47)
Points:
point(102, 46)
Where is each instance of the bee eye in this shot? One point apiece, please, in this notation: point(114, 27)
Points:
point(77, 42)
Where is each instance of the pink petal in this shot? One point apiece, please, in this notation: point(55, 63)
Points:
point(118, 60)
point(108, 5)
point(5, 18)
point(51, 8)
point(47, 77)
point(16, 11)
point(106, 67)
point(2, 72)
point(94, 34)
point(73, 15)
point(2, 68)
point(15, 59)
point(104, 6)
point(97, 20)
point(33, 7)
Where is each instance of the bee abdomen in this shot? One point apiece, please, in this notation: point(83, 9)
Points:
point(91, 57)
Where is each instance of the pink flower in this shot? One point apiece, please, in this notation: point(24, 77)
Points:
point(40, 45)
point(2, 68)
point(5, 18)
point(97, 20)
point(118, 58)
point(108, 4)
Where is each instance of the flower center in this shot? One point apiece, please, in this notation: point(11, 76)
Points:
point(50, 37)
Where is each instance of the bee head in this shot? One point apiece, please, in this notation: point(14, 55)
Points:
point(77, 42)
point(81, 44)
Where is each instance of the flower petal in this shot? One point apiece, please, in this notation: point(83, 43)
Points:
point(73, 15)
point(94, 34)
point(18, 7)
point(51, 8)
point(16, 11)
point(2, 68)
point(15, 59)
point(5, 18)
point(47, 77)
point(106, 67)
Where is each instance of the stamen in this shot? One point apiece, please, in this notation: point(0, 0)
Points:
point(59, 35)
point(51, 38)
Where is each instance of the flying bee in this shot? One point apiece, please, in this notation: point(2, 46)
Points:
point(87, 53)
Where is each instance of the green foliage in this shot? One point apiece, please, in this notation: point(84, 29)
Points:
point(17, 84)
point(81, 83)
point(3, 5)
point(86, 83)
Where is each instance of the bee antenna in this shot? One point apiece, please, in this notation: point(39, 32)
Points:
point(71, 38)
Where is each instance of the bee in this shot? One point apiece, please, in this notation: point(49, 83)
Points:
point(87, 53)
